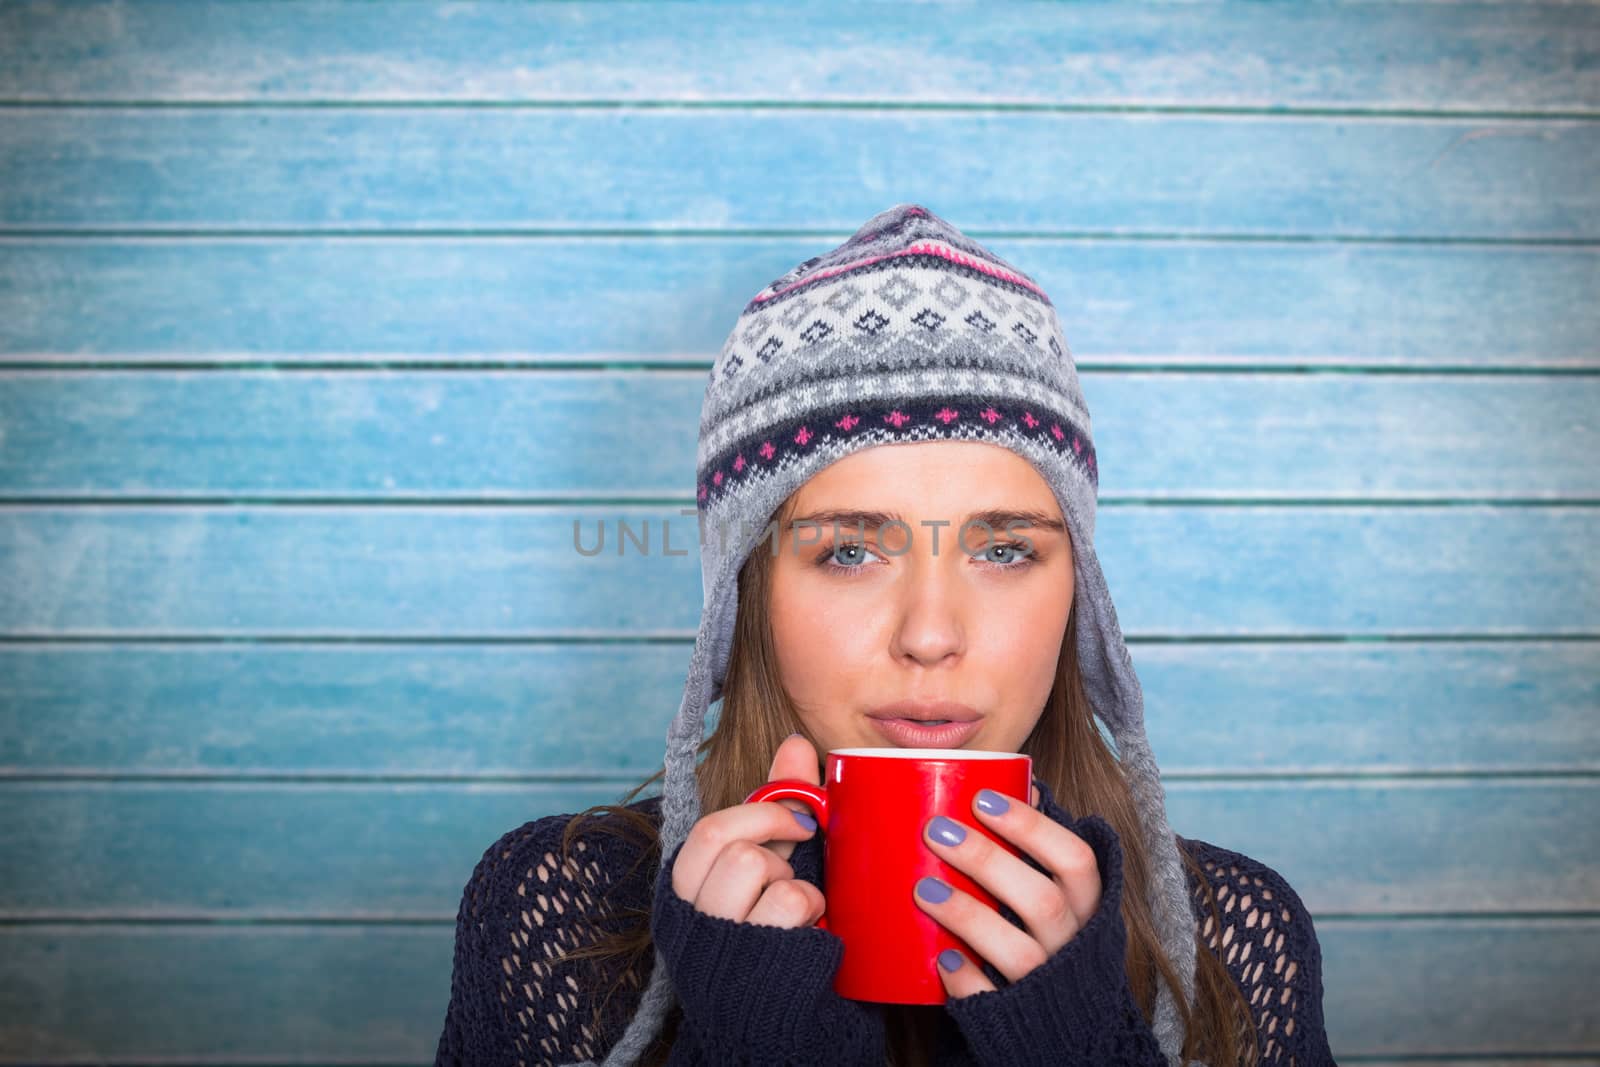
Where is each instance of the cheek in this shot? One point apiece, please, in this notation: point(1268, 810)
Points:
point(823, 643)
point(1028, 647)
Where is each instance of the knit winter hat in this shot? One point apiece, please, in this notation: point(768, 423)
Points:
point(908, 331)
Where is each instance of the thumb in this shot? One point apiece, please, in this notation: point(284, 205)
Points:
point(795, 758)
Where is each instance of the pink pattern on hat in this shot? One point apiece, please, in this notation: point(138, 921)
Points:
point(726, 479)
point(921, 248)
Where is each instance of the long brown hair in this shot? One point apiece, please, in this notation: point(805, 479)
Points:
point(1069, 754)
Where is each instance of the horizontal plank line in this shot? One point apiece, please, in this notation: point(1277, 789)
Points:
point(1519, 1056)
point(344, 1061)
point(97, 1060)
point(324, 1061)
point(696, 367)
point(241, 919)
point(1287, 112)
point(15, 776)
point(70, 920)
point(478, 501)
point(132, 234)
point(687, 636)
point(1577, 774)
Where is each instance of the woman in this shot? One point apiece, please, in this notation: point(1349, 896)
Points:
point(867, 407)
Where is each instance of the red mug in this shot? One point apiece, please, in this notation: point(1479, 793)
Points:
point(871, 810)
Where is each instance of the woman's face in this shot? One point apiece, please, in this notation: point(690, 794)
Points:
point(864, 616)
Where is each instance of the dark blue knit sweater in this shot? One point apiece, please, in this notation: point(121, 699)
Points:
point(763, 995)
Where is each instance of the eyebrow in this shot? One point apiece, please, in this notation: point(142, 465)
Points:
point(996, 518)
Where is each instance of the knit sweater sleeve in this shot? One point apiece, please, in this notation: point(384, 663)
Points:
point(515, 999)
point(1077, 1007)
point(758, 995)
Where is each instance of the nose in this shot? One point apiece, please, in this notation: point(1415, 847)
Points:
point(932, 623)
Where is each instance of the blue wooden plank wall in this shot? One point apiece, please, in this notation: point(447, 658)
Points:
point(307, 311)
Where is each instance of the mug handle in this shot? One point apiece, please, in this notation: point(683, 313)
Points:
point(813, 796)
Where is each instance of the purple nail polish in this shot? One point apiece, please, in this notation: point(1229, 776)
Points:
point(993, 803)
point(933, 890)
point(950, 959)
point(946, 831)
point(804, 820)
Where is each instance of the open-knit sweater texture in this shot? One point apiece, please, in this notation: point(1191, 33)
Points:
point(753, 994)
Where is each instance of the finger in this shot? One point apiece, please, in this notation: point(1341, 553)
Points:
point(788, 902)
point(1067, 856)
point(738, 879)
point(1037, 899)
point(1013, 952)
point(962, 977)
point(795, 758)
point(763, 821)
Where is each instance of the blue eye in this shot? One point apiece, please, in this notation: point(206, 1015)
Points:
point(830, 558)
point(1020, 556)
point(848, 557)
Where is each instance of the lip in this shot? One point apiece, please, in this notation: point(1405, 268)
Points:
point(909, 733)
point(925, 709)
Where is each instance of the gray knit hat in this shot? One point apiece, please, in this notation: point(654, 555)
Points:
point(908, 331)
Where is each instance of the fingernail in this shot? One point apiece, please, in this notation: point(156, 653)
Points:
point(950, 959)
point(992, 802)
point(945, 831)
point(804, 820)
point(933, 891)
point(793, 735)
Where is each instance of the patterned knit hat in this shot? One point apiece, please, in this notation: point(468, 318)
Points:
point(909, 331)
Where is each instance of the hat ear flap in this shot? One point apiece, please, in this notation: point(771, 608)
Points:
point(1113, 689)
point(1167, 894)
point(1103, 660)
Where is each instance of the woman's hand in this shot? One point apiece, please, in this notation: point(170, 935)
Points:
point(735, 862)
point(1053, 907)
